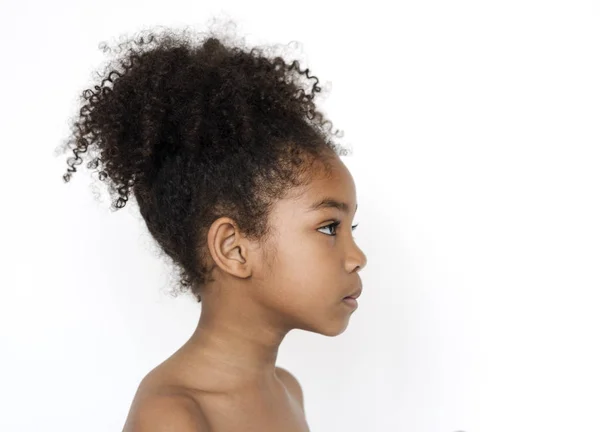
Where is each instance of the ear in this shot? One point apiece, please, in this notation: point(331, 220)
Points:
point(229, 249)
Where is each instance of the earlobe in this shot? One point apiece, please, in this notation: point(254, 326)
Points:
point(228, 248)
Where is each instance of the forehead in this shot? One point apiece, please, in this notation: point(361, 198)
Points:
point(330, 202)
point(334, 189)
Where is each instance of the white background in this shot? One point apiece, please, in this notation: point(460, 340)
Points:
point(475, 129)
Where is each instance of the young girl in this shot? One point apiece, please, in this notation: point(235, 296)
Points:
point(238, 181)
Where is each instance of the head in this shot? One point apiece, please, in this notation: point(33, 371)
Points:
point(224, 153)
point(299, 276)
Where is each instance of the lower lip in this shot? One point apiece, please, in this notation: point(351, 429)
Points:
point(351, 302)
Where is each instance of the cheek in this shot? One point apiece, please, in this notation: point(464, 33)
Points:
point(306, 271)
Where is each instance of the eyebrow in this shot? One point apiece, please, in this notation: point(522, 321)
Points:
point(329, 202)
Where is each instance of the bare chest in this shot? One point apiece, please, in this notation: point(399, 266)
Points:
point(254, 415)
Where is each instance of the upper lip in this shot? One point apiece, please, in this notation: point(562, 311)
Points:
point(355, 294)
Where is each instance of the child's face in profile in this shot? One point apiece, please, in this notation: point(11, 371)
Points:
point(315, 265)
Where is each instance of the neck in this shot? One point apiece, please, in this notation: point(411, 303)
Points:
point(234, 345)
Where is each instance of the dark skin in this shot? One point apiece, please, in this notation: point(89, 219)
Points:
point(224, 378)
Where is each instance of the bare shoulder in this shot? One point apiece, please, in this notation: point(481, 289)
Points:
point(292, 384)
point(162, 413)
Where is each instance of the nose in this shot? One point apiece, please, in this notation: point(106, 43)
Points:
point(357, 260)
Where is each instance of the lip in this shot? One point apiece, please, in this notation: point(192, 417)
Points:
point(351, 301)
point(356, 294)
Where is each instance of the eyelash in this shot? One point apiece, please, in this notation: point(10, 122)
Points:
point(335, 225)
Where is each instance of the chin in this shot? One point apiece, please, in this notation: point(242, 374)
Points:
point(336, 333)
point(331, 330)
point(329, 325)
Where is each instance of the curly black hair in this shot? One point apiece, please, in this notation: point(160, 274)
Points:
point(199, 130)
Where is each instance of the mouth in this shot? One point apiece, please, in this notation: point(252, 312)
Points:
point(356, 294)
point(350, 301)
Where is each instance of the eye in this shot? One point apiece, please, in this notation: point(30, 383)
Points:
point(333, 226)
